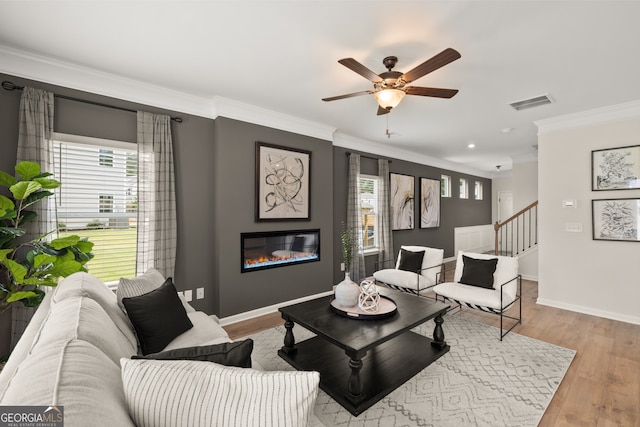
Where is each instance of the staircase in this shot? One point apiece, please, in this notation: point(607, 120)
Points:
point(519, 233)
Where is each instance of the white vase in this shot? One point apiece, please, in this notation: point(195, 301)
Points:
point(347, 292)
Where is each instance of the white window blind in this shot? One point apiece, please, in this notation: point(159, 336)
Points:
point(98, 200)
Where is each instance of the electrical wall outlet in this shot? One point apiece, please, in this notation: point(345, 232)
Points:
point(188, 295)
point(199, 293)
point(342, 266)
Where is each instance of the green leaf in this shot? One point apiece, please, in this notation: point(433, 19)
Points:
point(17, 296)
point(6, 203)
point(48, 184)
point(17, 232)
point(27, 216)
point(65, 242)
point(35, 300)
point(4, 253)
point(23, 189)
point(42, 175)
point(7, 180)
point(85, 246)
point(17, 270)
point(65, 267)
point(28, 170)
point(7, 214)
point(35, 197)
point(42, 259)
point(40, 281)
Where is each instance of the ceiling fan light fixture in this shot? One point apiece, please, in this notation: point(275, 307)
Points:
point(389, 98)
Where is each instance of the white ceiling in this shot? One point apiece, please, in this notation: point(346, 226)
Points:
point(282, 56)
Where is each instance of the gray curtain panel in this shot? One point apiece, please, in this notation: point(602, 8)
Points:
point(157, 229)
point(383, 220)
point(35, 145)
point(354, 219)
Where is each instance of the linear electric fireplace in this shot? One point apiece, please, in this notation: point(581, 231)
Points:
point(273, 249)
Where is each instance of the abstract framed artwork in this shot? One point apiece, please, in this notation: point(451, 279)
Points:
point(616, 219)
point(283, 187)
point(615, 168)
point(402, 189)
point(429, 203)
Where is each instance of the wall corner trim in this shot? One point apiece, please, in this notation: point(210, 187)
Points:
point(261, 116)
point(613, 113)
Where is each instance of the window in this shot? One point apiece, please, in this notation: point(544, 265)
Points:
point(105, 204)
point(445, 186)
point(464, 188)
point(106, 157)
point(369, 204)
point(478, 190)
point(99, 203)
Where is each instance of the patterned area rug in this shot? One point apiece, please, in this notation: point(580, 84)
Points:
point(479, 382)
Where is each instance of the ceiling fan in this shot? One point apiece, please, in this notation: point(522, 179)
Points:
point(390, 86)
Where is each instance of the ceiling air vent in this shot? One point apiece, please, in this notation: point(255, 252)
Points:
point(531, 102)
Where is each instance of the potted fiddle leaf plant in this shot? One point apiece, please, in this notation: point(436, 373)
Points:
point(27, 265)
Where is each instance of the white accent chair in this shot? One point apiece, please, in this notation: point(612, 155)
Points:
point(418, 281)
point(502, 295)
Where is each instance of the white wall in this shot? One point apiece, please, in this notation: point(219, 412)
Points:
point(578, 273)
point(525, 184)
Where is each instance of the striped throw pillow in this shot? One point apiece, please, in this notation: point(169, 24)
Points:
point(162, 393)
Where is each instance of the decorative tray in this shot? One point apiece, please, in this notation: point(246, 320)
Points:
point(386, 308)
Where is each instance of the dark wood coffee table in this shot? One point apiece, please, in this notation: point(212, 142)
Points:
point(361, 361)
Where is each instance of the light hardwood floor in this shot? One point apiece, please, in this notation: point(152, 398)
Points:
point(601, 387)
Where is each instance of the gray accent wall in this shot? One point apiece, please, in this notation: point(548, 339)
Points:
point(454, 212)
point(234, 198)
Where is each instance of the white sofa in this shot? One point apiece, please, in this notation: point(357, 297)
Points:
point(71, 355)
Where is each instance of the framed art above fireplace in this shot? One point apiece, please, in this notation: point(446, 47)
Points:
point(283, 189)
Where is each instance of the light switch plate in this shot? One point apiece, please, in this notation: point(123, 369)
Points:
point(199, 293)
point(573, 227)
point(188, 295)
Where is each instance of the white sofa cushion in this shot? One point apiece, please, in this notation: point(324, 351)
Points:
point(76, 375)
point(86, 285)
point(195, 393)
point(205, 331)
point(84, 319)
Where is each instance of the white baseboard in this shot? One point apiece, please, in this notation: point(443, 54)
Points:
point(590, 311)
point(267, 310)
point(530, 277)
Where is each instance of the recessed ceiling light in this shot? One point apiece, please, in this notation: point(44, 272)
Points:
point(472, 145)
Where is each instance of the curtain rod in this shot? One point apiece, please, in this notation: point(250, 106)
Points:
point(6, 85)
point(369, 157)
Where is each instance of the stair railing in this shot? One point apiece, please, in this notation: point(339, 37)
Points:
point(518, 233)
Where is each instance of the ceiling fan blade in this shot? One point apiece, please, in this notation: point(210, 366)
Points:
point(430, 91)
point(354, 65)
point(440, 60)
point(348, 95)
point(382, 111)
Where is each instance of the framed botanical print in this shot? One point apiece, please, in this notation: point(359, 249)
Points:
point(615, 168)
point(402, 195)
point(429, 203)
point(283, 187)
point(616, 219)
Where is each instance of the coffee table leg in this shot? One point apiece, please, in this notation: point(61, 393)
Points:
point(354, 387)
point(438, 333)
point(289, 340)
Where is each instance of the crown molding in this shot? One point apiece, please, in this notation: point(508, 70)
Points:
point(35, 67)
point(59, 73)
point(376, 148)
point(261, 116)
point(598, 116)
